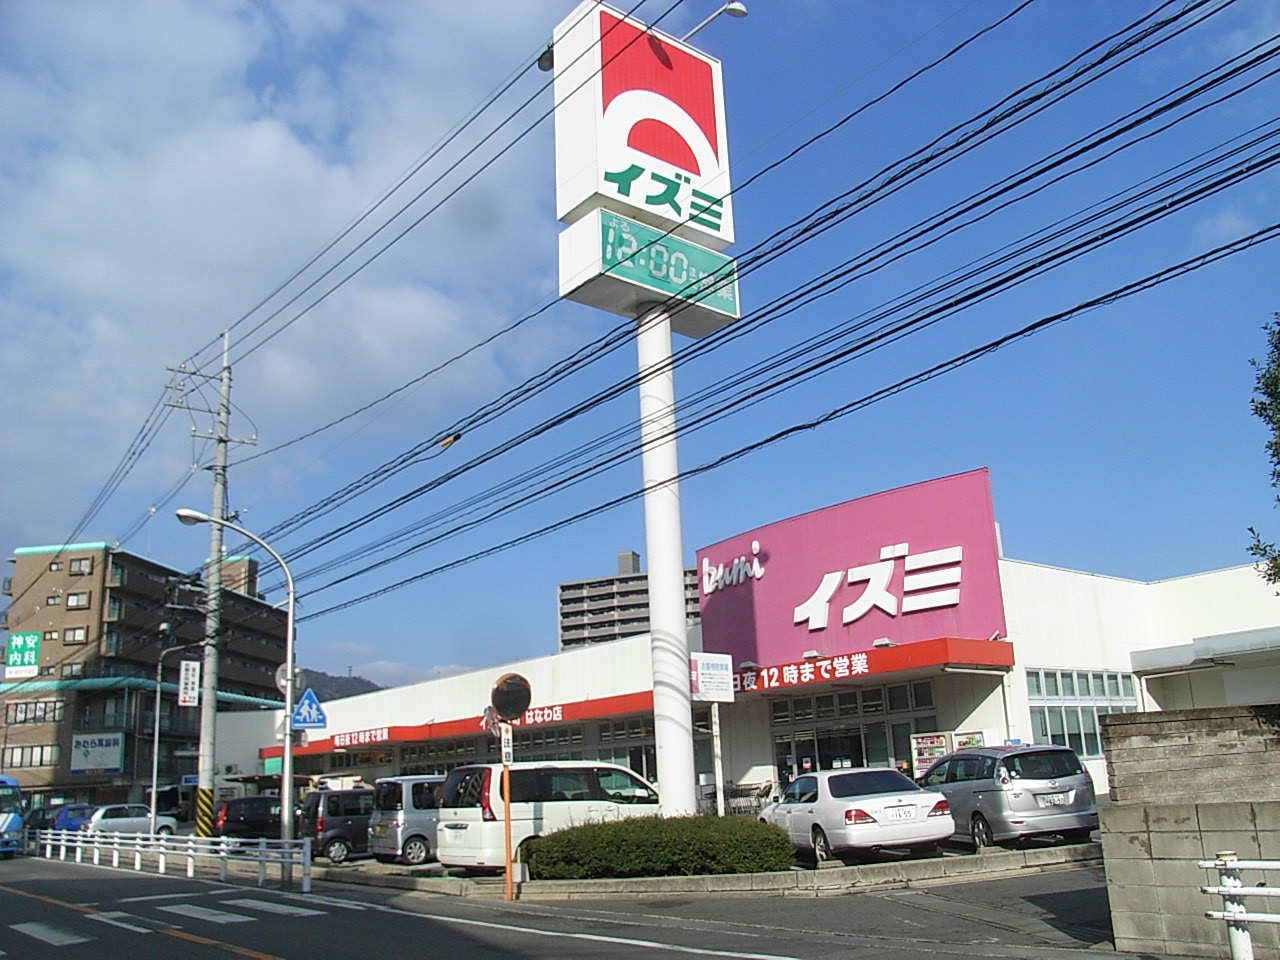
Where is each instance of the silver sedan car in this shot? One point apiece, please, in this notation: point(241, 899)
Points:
point(834, 813)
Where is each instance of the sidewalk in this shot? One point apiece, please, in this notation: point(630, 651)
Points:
point(829, 881)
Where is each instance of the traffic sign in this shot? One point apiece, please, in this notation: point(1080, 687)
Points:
point(308, 714)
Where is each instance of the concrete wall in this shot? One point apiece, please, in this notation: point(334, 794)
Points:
point(1185, 786)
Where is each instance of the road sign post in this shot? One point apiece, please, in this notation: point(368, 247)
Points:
point(509, 699)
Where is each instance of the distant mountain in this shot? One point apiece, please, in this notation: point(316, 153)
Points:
point(329, 687)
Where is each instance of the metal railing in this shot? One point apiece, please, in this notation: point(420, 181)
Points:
point(159, 851)
point(1234, 910)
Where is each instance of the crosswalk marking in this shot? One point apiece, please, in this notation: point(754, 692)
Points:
point(117, 919)
point(334, 902)
point(47, 933)
point(131, 921)
point(205, 913)
point(267, 906)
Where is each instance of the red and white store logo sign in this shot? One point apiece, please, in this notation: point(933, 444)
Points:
point(640, 126)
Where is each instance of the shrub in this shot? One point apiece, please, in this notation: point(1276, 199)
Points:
point(658, 847)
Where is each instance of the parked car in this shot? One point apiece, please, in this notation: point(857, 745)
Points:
point(71, 815)
point(337, 822)
point(1000, 794)
point(127, 818)
point(247, 818)
point(831, 813)
point(545, 797)
point(41, 818)
point(403, 822)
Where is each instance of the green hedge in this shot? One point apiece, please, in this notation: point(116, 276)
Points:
point(657, 847)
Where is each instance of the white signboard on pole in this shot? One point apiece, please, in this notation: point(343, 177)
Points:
point(189, 683)
point(711, 677)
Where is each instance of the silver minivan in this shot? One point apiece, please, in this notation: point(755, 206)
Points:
point(403, 822)
point(1007, 793)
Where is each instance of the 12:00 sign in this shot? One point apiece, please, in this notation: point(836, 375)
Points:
point(620, 248)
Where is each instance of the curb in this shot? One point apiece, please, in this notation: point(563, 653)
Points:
point(825, 882)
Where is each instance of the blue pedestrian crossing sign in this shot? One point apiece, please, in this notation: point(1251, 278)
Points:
point(308, 714)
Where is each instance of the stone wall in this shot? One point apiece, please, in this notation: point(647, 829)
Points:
point(1186, 785)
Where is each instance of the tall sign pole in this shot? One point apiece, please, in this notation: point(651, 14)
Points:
point(508, 701)
point(642, 180)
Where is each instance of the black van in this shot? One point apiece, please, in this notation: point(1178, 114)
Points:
point(337, 821)
point(247, 817)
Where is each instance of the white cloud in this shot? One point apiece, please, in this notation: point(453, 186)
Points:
point(165, 165)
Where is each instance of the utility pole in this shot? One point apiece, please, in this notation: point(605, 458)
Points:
point(213, 603)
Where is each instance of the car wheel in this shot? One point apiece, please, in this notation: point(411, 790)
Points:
point(165, 832)
point(337, 850)
point(981, 833)
point(416, 851)
point(821, 846)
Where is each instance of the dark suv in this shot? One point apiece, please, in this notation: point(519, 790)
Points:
point(247, 817)
point(337, 821)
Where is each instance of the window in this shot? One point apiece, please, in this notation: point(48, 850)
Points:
point(1050, 683)
point(45, 755)
point(1034, 686)
point(781, 710)
point(922, 693)
point(78, 601)
point(899, 698)
point(76, 635)
point(80, 566)
point(38, 711)
point(873, 700)
point(55, 566)
point(73, 669)
point(848, 703)
point(115, 608)
point(51, 636)
point(52, 600)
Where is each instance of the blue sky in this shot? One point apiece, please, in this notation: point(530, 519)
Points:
point(166, 166)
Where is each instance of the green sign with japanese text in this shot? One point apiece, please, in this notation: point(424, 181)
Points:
point(22, 656)
point(667, 264)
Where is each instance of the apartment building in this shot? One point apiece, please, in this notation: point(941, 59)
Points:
point(87, 623)
point(610, 608)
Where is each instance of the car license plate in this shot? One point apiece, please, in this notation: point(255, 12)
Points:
point(453, 836)
point(1052, 799)
point(901, 813)
point(380, 830)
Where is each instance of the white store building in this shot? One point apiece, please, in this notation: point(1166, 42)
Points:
point(874, 632)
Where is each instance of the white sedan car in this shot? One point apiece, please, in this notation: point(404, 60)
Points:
point(860, 809)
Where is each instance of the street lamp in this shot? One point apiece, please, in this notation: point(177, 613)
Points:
point(732, 9)
point(191, 518)
point(155, 735)
point(547, 59)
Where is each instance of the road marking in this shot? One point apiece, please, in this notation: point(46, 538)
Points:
point(267, 906)
point(178, 934)
point(327, 901)
point(48, 933)
point(205, 913)
point(117, 919)
point(171, 896)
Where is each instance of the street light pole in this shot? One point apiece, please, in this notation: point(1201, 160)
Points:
point(191, 518)
point(155, 735)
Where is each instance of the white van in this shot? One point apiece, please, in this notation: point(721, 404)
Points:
point(403, 821)
point(545, 796)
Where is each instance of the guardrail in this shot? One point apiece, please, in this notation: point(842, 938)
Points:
point(111, 849)
point(1233, 892)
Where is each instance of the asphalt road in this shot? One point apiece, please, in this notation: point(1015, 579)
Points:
point(66, 911)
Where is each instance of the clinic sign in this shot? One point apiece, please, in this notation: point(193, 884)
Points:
point(640, 127)
point(809, 597)
point(22, 656)
point(97, 753)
